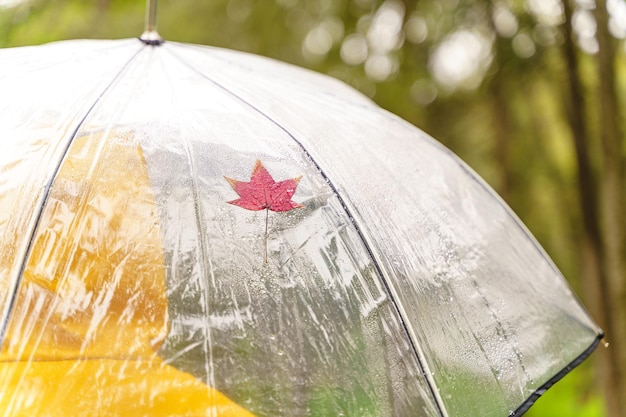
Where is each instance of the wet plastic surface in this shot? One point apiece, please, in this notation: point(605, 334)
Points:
point(403, 287)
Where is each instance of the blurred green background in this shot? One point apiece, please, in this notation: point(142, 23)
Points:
point(527, 92)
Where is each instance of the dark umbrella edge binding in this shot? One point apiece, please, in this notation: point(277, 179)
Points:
point(556, 378)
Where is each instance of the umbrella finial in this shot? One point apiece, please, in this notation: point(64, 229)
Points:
point(150, 36)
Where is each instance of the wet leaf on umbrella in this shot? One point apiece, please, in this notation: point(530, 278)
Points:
point(262, 192)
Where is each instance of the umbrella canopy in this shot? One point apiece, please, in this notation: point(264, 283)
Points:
point(188, 230)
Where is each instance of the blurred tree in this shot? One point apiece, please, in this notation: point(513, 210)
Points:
point(601, 193)
point(528, 92)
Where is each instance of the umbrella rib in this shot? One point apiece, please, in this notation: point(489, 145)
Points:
point(366, 242)
point(42, 202)
point(205, 262)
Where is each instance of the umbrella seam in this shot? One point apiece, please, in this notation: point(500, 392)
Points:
point(208, 345)
point(511, 214)
point(366, 242)
point(43, 200)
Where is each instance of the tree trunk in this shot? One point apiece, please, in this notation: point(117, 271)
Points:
point(588, 197)
point(612, 202)
point(502, 128)
point(501, 112)
point(600, 246)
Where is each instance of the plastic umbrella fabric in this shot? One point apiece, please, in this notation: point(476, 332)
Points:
point(187, 230)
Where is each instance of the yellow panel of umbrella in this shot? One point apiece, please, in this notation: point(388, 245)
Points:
point(101, 303)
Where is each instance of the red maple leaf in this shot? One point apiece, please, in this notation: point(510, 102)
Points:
point(263, 193)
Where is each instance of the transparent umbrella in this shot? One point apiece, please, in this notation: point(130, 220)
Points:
point(193, 231)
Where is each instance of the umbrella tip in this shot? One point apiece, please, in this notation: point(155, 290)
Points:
point(150, 36)
point(604, 342)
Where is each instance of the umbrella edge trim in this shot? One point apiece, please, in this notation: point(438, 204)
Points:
point(557, 377)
